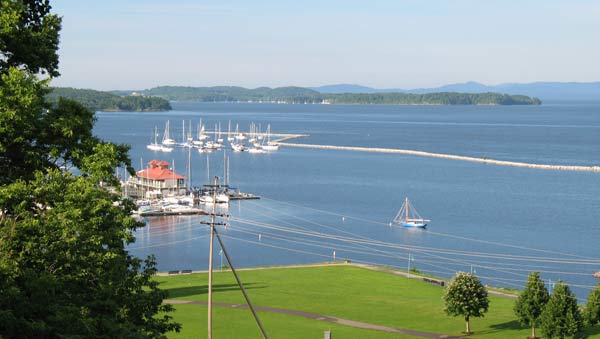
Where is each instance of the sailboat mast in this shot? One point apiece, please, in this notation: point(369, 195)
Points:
point(190, 168)
point(407, 207)
point(207, 169)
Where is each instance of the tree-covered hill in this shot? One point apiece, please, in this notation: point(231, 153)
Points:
point(105, 101)
point(300, 95)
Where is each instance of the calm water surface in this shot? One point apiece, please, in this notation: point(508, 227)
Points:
point(485, 218)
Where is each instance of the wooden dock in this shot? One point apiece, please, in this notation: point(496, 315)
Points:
point(168, 213)
point(448, 156)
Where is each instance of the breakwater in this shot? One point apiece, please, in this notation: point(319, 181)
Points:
point(448, 156)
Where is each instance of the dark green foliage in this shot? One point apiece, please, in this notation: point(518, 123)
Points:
point(29, 36)
point(592, 307)
point(64, 269)
point(299, 95)
point(531, 302)
point(443, 98)
point(105, 101)
point(561, 316)
point(465, 296)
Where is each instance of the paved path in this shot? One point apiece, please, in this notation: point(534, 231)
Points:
point(320, 317)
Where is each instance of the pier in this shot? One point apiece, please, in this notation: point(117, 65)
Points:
point(447, 156)
point(282, 136)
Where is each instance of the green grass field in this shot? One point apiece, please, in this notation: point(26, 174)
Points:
point(341, 291)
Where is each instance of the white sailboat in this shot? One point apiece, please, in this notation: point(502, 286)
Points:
point(252, 133)
point(237, 147)
point(219, 138)
point(201, 135)
point(155, 146)
point(408, 216)
point(167, 140)
point(213, 144)
point(270, 146)
point(229, 136)
point(239, 136)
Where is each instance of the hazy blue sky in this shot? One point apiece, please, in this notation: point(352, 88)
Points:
point(139, 44)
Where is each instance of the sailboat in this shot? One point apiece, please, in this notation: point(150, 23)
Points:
point(219, 138)
point(408, 216)
point(155, 146)
point(270, 146)
point(167, 140)
point(229, 136)
point(239, 136)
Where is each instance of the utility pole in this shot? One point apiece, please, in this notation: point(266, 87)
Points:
point(210, 259)
point(213, 232)
point(408, 268)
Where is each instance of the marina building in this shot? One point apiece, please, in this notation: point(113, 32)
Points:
point(156, 181)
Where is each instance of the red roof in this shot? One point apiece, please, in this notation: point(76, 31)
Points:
point(159, 170)
point(159, 163)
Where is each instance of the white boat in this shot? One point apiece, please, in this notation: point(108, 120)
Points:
point(212, 145)
point(238, 135)
point(155, 146)
point(270, 146)
point(408, 216)
point(238, 147)
point(166, 149)
point(207, 199)
point(219, 138)
point(229, 137)
point(167, 140)
point(222, 198)
point(256, 150)
point(201, 135)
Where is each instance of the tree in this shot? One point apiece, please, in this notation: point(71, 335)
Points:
point(29, 36)
point(466, 296)
point(531, 302)
point(561, 316)
point(592, 307)
point(64, 267)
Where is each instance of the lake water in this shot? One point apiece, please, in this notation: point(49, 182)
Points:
point(501, 222)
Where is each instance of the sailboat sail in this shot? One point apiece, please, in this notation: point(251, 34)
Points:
point(408, 216)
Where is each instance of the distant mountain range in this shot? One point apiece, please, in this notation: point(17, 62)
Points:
point(542, 90)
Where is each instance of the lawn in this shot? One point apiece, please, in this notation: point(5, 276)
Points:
point(343, 291)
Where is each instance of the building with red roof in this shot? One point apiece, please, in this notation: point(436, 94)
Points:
point(158, 179)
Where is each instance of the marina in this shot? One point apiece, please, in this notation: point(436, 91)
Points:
point(324, 194)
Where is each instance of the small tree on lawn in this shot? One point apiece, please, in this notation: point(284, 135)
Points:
point(466, 296)
point(561, 316)
point(531, 302)
point(592, 307)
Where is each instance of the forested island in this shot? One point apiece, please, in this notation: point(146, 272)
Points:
point(105, 101)
point(157, 99)
point(300, 95)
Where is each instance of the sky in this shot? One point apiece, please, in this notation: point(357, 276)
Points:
point(139, 44)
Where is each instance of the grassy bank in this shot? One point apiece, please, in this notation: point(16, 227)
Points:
point(341, 291)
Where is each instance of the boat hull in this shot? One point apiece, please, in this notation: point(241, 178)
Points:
point(414, 224)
